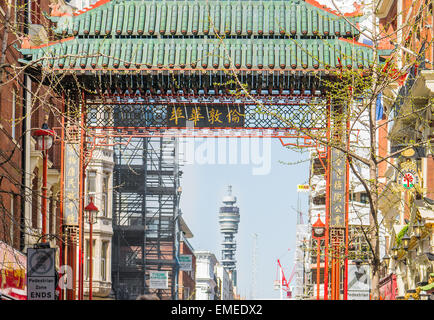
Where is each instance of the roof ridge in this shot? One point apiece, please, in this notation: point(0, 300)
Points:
point(93, 6)
point(51, 43)
point(315, 3)
point(355, 42)
point(356, 12)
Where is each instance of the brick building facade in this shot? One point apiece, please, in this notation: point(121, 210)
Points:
point(407, 27)
point(25, 104)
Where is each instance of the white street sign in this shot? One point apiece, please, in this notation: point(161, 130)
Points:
point(40, 288)
point(41, 274)
point(159, 279)
point(358, 282)
point(186, 262)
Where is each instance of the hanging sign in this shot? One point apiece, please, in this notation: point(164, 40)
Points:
point(337, 188)
point(72, 172)
point(405, 151)
point(303, 188)
point(408, 176)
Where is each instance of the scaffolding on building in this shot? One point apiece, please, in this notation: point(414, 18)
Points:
point(302, 277)
point(145, 216)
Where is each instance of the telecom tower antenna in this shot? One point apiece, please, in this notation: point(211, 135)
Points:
point(228, 219)
point(255, 252)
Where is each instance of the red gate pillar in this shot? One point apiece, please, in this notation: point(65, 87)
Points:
point(338, 205)
point(347, 199)
point(327, 173)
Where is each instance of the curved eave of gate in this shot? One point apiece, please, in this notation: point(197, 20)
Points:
point(303, 55)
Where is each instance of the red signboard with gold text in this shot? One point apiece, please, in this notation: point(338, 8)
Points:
point(12, 272)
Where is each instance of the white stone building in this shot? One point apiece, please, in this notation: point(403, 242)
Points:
point(224, 283)
point(206, 279)
point(99, 186)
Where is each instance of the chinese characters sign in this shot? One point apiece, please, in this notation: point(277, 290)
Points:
point(72, 171)
point(337, 189)
point(206, 116)
point(303, 188)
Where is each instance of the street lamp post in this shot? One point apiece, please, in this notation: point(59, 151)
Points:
point(91, 211)
point(386, 259)
point(44, 140)
point(405, 241)
point(318, 232)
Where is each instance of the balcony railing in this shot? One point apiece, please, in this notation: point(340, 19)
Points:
point(411, 78)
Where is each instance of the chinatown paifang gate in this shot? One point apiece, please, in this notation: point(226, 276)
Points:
point(135, 74)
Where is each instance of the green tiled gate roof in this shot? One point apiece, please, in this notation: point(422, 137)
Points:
point(191, 18)
point(202, 54)
point(284, 35)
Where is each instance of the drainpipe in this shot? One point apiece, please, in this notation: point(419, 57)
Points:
point(25, 154)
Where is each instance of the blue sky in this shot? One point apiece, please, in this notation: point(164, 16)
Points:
point(265, 203)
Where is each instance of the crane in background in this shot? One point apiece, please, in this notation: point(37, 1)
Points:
point(300, 215)
point(282, 283)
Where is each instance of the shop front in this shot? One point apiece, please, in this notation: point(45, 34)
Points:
point(388, 287)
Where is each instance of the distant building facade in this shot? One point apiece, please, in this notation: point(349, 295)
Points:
point(99, 187)
point(224, 283)
point(186, 278)
point(206, 279)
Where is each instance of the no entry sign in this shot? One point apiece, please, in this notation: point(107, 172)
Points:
point(41, 273)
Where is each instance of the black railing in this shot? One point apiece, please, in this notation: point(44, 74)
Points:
point(411, 78)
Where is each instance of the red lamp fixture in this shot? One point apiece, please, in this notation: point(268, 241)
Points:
point(44, 137)
point(318, 232)
point(318, 228)
point(91, 208)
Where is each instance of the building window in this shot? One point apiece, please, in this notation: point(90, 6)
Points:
point(14, 106)
point(12, 214)
point(35, 199)
point(15, 9)
point(88, 257)
point(186, 293)
point(35, 15)
point(358, 246)
point(318, 201)
point(51, 214)
point(363, 197)
point(105, 186)
point(91, 185)
point(104, 249)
